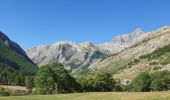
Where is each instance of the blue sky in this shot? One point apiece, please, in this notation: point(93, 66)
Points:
point(42, 22)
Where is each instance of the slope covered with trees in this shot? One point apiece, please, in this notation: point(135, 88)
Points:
point(14, 63)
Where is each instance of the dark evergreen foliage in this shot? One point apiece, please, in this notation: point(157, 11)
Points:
point(14, 67)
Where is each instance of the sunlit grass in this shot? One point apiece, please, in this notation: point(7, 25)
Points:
point(97, 96)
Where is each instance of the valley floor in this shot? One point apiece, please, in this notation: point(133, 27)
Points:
point(97, 96)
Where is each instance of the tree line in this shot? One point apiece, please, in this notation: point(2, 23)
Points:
point(157, 81)
point(54, 78)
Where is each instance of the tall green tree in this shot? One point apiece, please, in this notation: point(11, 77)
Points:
point(54, 78)
point(86, 84)
point(104, 82)
point(44, 81)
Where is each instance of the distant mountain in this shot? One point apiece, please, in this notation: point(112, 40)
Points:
point(149, 54)
point(78, 57)
point(75, 56)
point(113, 56)
point(124, 41)
point(14, 63)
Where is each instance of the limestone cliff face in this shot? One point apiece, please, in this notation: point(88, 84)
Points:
point(70, 53)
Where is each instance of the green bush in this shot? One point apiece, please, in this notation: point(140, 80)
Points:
point(3, 92)
point(142, 82)
point(19, 93)
point(157, 81)
point(160, 81)
point(162, 84)
point(86, 84)
point(104, 82)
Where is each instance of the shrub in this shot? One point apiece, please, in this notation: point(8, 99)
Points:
point(162, 84)
point(157, 81)
point(3, 92)
point(161, 81)
point(142, 82)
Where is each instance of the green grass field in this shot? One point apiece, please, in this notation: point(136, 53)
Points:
point(97, 96)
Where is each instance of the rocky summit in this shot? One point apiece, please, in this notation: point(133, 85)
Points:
point(121, 42)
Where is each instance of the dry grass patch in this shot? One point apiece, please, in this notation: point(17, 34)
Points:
point(97, 96)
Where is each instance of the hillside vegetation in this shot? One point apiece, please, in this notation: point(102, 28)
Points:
point(155, 61)
point(14, 67)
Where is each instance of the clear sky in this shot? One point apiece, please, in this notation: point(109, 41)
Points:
point(42, 22)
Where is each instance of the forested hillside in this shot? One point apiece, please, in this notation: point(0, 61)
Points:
point(14, 67)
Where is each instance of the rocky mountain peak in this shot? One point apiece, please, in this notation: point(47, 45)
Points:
point(64, 43)
point(124, 41)
point(128, 38)
point(87, 44)
point(137, 32)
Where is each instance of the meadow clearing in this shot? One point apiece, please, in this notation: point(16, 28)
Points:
point(97, 96)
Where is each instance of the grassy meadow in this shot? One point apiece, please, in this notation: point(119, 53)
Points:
point(97, 96)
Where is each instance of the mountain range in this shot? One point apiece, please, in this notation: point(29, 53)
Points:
point(75, 56)
point(125, 56)
point(113, 56)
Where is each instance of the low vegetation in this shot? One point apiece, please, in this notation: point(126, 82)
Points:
point(158, 81)
point(102, 82)
point(3, 92)
point(13, 91)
